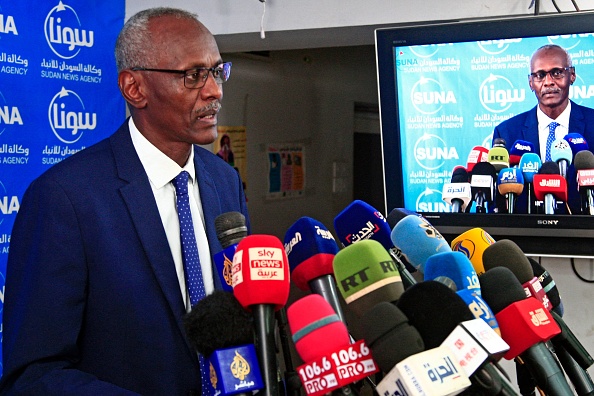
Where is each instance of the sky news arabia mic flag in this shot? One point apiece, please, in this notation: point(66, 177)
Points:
point(58, 91)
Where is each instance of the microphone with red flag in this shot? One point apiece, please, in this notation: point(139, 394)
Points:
point(525, 326)
point(323, 342)
point(476, 155)
point(261, 285)
point(584, 165)
point(550, 186)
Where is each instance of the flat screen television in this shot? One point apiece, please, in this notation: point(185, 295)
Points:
point(443, 87)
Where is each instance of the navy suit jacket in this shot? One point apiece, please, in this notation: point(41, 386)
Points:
point(524, 126)
point(93, 304)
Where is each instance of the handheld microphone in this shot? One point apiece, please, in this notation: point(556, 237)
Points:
point(499, 158)
point(231, 228)
point(322, 341)
point(519, 148)
point(359, 221)
point(576, 142)
point(482, 185)
point(584, 165)
point(366, 275)
point(454, 270)
point(457, 193)
point(505, 253)
point(389, 335)
point(476, 155)
point(433, 372)
point(510, 184)
point(393, 218)
point(222, 331)
point(548, 285)
point(561, 154)
point(549, 185)
point(417, 240)
point(430, 303)
point(473, 243)
point(311, 249)
point(261, 285)
point(530, 164)
point(525, 325)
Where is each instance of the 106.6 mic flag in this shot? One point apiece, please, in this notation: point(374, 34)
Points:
point(58, 95)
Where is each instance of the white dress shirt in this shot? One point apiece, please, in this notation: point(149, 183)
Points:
point(160, 170)
point(543, 127)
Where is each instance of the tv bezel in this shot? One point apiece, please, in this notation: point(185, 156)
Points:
point(538, 235)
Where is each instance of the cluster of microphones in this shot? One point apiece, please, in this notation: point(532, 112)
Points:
point(493, 179)
point(441, 331)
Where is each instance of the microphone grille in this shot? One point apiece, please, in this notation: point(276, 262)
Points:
point(584, 160)
point(230, 228)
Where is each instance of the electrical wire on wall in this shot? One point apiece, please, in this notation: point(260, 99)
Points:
point(262, 33)
point(536, 5)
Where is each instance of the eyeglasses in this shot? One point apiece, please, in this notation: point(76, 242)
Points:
point(556, 73)
point(196, 78)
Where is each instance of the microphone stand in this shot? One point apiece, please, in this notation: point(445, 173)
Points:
point(292, 381)
point(265, 348)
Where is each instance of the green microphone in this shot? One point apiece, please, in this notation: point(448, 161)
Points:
point(366, 275)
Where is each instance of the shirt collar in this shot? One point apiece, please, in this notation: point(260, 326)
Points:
point(159, 168)
point(563, 119)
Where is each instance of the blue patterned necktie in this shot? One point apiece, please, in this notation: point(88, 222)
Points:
point(192, 270)
point(550, 139)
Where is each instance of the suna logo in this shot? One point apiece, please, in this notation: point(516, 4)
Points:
point(8, 204)
point(10, 115)
point(7, 25)
point(435, 97)
point(497, 94)
point(431, 152)
point(428, 96)
point(64, 33)
point(67, 117)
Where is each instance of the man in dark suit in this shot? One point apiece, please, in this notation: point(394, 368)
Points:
point(551, 75)
point(95, 287)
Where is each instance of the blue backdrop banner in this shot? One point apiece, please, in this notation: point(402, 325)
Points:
point(58, 91)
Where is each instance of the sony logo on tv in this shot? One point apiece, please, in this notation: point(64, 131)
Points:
point(547, 222)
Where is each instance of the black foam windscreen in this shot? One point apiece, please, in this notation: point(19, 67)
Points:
point(485, 169)
point(398, 214)
point(499, 142)
point(218, 321)
point(500, 288)
point(549, 168)
point(230, 228)
point(506, 253)
point(434, 310)
point(389, 335)
point(460, 175)
point(584, 160)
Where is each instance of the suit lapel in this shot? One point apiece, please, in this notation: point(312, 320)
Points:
point(530, 129)
point(576, 120)
point(139, 199)
point(211, 207)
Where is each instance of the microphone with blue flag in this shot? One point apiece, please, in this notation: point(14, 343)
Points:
point(360, 221)
point(519, 148)
point(530, 164)
point(455, 270)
